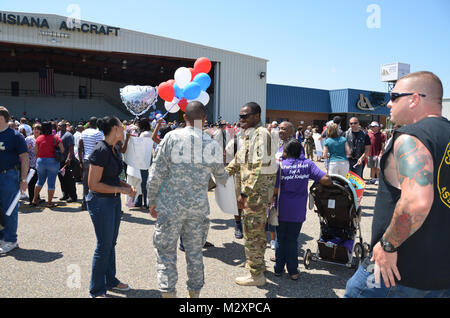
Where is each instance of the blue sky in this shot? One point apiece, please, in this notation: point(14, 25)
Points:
point(323, 44)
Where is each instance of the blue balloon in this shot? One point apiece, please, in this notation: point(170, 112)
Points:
point(192, 90)
point(178, 91)
point(203, 80)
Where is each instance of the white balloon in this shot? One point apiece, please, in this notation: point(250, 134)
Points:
point(172, 107)
point(182, 77)
point(203, 98)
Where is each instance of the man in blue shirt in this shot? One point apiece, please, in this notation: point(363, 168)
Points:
point(13, 153)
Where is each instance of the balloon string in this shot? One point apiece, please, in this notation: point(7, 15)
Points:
point(168, 110)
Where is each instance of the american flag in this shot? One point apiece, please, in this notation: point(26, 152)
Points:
point(46, 81)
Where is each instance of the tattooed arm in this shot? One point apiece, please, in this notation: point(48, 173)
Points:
point(414, 165)
point(415, 174)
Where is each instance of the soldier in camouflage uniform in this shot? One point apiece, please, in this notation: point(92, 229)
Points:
point(182, 168)
point(255, 162)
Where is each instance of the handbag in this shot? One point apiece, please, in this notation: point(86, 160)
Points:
point(273, 211)
point(59, 156)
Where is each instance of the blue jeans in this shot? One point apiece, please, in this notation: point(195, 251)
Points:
point(9, 186)
point(47, 168)
point(142, 198)
point(105, 213)
point(286, 253)
point(361, 285)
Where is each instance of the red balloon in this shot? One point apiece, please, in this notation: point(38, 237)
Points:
point(171, 82)
point(182, 104)
point(166, 91)
point(202, 65)
point(193, 73)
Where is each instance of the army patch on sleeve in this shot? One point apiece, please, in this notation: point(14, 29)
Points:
point(443, 177)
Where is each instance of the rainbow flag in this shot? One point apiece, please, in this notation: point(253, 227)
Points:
point(357, 182)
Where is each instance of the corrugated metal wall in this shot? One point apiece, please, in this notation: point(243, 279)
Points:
point(354, 96)
point(290, 98)
point(239, 74)
point(339, 100)
point(282, 97)
point(345, 100)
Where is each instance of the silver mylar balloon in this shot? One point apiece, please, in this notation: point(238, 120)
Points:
point(138, 99)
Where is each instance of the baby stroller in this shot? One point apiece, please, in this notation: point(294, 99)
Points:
point(339, 212)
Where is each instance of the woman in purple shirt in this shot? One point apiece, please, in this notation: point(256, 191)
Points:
point(293, 187)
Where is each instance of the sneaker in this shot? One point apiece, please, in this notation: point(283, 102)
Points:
point(7, 247)
point(371, 181)
point(238, 231)
point(295, 276)
point(122, 287)
point(278, 274)
point(272, 244)
point(376, 181)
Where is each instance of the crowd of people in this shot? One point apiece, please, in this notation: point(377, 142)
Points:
point(343, 151)
point(270, 167)
point(363, 146)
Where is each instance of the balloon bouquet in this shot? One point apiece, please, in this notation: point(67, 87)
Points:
point(189, 84)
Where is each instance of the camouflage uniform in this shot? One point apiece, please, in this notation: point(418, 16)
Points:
point(182, 203)
point(255, 162)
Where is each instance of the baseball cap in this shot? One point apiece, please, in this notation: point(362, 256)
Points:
point(374, 124)
point(274, 123)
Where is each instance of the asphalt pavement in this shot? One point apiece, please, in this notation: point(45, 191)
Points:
point(56, 246)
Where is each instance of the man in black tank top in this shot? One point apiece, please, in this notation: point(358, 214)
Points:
point(410, 254)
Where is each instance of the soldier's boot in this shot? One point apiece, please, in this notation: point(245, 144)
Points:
point(251, 280)
point(169, 295)
point(194, 294)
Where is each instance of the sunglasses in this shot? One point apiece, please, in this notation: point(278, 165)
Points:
point(354, 123)
point(245, 116)
point(394, 96)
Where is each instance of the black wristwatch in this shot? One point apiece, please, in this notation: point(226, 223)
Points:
point(387, 247)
